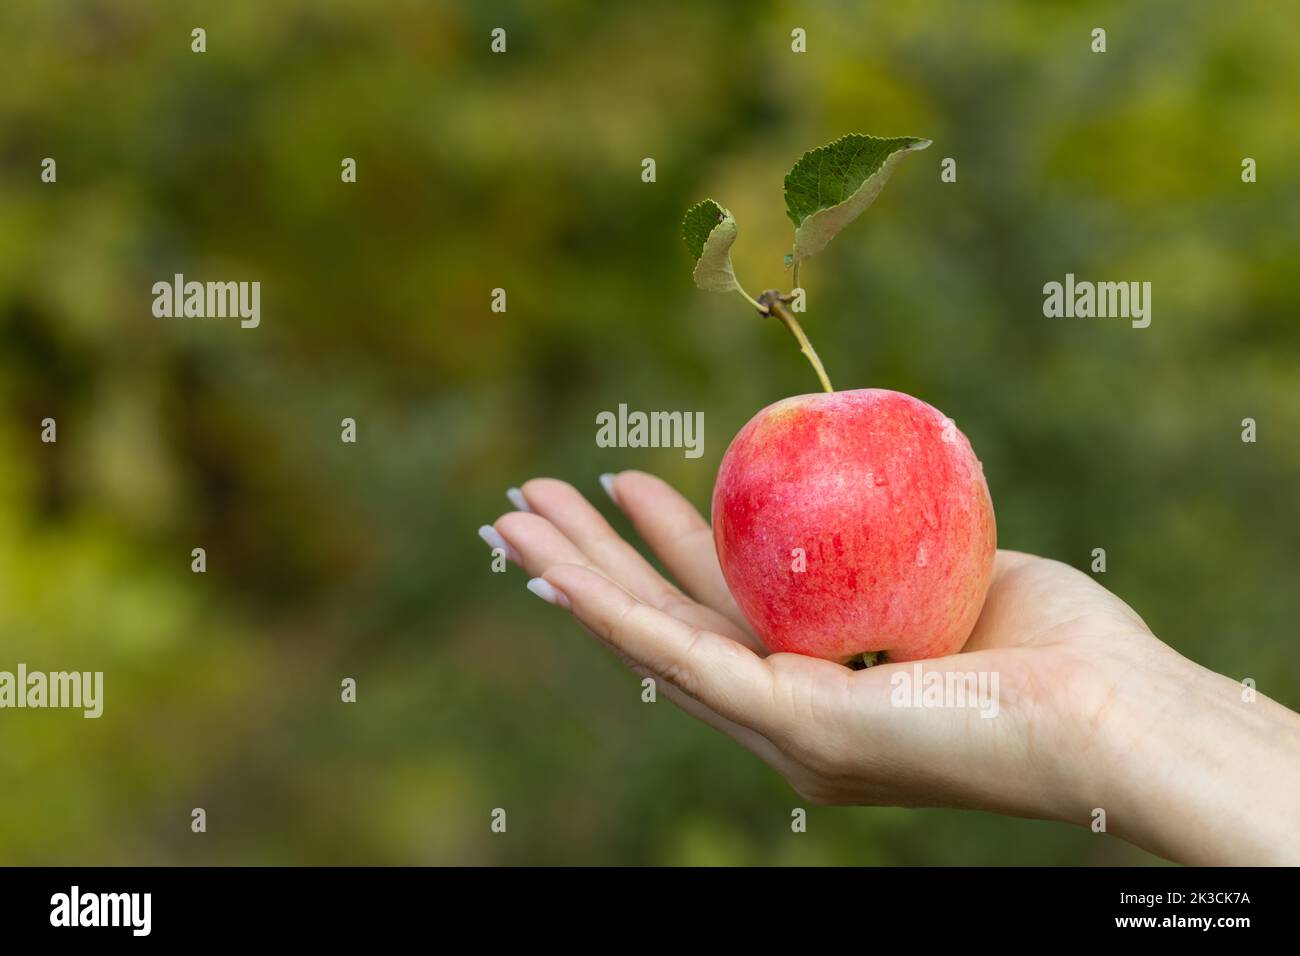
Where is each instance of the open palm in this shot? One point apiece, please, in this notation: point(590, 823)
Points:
point(1055, 640)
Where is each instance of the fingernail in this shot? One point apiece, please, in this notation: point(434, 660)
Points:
point(547, 591)
point(607, 482)
point(494, 540)
point(518, 500)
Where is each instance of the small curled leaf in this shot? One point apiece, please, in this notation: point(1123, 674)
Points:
point(709, 231)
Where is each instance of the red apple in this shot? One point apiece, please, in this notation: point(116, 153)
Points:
point(886, 502)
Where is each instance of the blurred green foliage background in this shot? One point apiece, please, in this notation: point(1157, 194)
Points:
point(522, 171)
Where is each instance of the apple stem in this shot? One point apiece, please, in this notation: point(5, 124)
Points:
point(866, 659)
point(772, 302)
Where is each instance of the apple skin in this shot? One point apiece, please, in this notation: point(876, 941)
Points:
point(889, 504)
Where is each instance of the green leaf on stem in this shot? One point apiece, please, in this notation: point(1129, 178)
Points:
point(709, 231)
point(830, 187)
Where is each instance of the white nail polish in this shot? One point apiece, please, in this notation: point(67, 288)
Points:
point(607, 482)
point(517, 499)
point(547, 592)
point(494, 540)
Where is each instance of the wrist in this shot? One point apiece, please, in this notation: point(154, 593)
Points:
point(1195, 767)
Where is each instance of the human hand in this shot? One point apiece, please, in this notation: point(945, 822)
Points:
point(1092, 711)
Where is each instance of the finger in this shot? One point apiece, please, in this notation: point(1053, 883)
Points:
point(539, 546)
point(537, 543)
point(721, 674)
point(562, 505)
point(566, 508)
point(677, 533)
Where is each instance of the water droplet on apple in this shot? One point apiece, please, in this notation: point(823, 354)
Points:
point(881, 481)
point(921, 557)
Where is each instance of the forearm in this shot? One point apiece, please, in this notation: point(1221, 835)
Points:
point(1199, 772)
